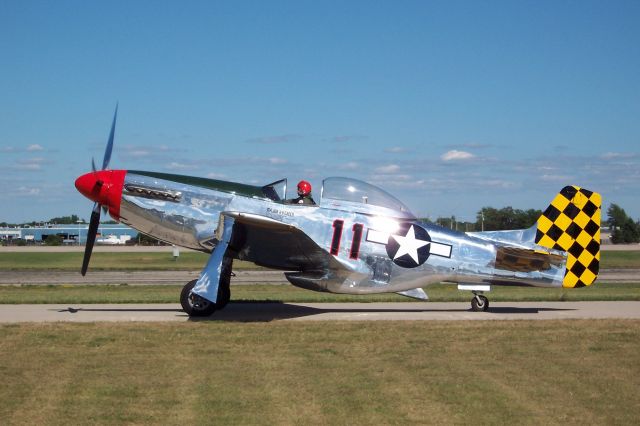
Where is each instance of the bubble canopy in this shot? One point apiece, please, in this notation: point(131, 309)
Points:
point(339, 191)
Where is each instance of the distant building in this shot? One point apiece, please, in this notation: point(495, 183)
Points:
point(71, 234)
point(10, 234)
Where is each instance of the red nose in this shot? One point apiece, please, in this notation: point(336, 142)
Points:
point(103, 187)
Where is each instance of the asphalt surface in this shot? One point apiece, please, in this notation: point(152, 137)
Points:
point(263, 312)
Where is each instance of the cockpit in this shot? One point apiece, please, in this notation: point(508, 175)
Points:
point(339, 192)
point(348, 194)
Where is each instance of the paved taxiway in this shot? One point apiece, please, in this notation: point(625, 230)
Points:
point(247, 312)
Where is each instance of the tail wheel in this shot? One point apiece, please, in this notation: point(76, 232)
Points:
point(194, 305)
point(479, 303)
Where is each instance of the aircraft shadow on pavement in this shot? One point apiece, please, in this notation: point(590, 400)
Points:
point(271, 311)
point(514, 310)
point(264, 312)
point(72, 310)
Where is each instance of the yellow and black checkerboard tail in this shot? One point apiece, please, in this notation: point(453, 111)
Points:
point(571, 223)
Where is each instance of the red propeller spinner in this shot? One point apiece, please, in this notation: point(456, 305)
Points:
point(103, 187)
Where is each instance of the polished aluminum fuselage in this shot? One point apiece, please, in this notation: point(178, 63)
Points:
point(349, 252)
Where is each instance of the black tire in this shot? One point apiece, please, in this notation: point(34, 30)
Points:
point(479, 304)
point(194, 305)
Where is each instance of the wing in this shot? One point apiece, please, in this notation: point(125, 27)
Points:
point(271, 243)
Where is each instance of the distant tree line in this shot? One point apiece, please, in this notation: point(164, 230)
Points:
point(492, 219)
point(623, 229)
point(506, 218)
point(146, 240)
point(63, 220)
point(66, 220)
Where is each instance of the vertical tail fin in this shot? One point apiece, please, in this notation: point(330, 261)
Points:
point(571, 223)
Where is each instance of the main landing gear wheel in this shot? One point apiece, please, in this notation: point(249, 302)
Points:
point(479, 303)
point(194, 305)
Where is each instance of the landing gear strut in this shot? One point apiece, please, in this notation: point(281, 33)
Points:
point(224, 288)
point(479, 302)
point(197, 306)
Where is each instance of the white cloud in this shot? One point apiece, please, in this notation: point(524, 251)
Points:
point(388, 169)
point(28, 167)
point(141, 151)
point(352, 165)
point(30, 164)
point(396, 150)
point(181, 166)
point(398, 181)
point(30, 148)
point(455, 155)
point(498, 183)
point(131, 151)
point(25, 191)
point(555, 178)
point(277, 161)
point(615, 155)
point(137, 153)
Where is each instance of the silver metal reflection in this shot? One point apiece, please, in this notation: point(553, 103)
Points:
point(153, 193)
point(358, 240)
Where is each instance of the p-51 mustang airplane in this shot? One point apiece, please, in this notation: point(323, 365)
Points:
point(358, 240)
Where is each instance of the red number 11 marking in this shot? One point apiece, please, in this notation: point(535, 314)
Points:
point(357, 229)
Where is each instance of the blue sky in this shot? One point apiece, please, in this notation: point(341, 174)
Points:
point(450, 106)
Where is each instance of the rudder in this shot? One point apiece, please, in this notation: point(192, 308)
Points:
point(571, 223)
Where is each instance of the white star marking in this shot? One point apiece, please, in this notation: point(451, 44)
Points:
point(409, 244)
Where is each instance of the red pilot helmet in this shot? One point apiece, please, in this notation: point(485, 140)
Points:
point(304, 188)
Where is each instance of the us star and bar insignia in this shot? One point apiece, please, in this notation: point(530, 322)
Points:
point(410, 246)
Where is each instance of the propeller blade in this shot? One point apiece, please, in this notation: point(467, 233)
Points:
point(93, 165)
point(91, 237)
point(109, 148)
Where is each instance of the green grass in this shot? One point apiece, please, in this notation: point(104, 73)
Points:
point(508, 372)
point(287, 293)
point(112, 261)
point(71, 261)
point(620, 259)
